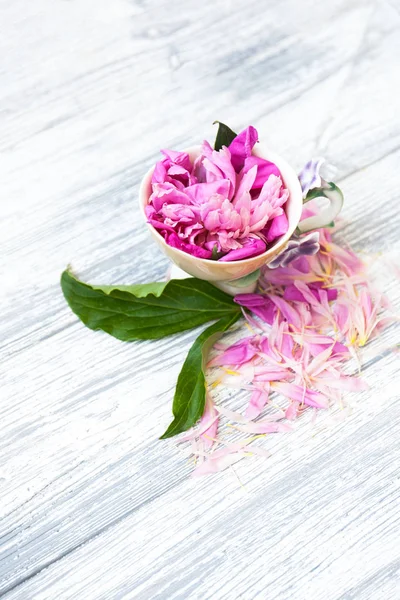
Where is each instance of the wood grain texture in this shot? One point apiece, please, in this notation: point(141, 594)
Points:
point(93, 506)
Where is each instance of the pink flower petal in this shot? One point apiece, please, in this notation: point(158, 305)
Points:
point(179, 158)
point(167, 193)
point(259, 304)
point(200, 193)
point(288, 311)
point(292, 411)
point(232, 415)
point(251, 247)
point(257, 402)
point(299, 394)
point(241, 147)
point(270, 373)
point(336, 349)
point(245, 183)
point(210, 421)
point(173, 240)
point(214, 465)
point(262, 427)
point(237, 354)
point(351, 384)
point(293, 293)
point(265, 168)
point(279, 226)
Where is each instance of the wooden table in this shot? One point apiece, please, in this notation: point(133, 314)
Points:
point(93, 505)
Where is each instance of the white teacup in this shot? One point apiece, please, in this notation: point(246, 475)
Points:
point(220, 273)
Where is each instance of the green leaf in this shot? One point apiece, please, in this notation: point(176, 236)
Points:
point(140, 290)
point(215, 255)
point(225, 136)
point(314, 193)
point(245, 281)
point(148, 311)
point(325, 191)
point(190, 392)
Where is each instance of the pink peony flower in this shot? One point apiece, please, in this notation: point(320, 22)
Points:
point(227, 205)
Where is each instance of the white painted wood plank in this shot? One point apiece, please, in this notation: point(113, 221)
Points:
point(93, 505)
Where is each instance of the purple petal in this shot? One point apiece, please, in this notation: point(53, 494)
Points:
point(301, 264)
point(308, 249)
point(310, 238)
point(241, 147)
point(307, 245)
point(284, 258)
point(309, 176)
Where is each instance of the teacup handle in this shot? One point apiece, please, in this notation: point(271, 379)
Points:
point(327, 214)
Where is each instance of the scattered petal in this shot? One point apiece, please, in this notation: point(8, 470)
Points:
point(258, 400)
